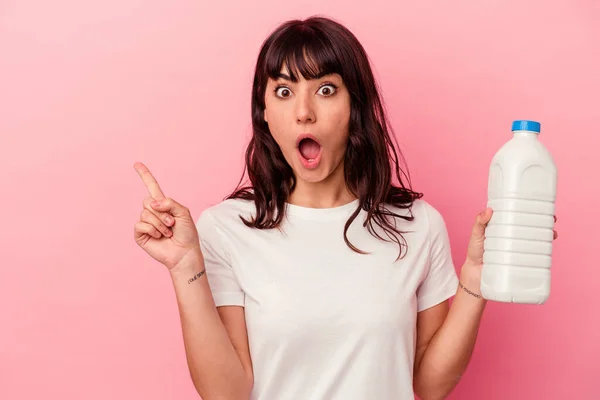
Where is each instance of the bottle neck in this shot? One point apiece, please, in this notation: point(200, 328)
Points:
point(525, 134)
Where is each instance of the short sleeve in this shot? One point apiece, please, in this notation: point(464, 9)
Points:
point(441, 281)
point(223, 284)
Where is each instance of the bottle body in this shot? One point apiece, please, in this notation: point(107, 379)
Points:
point(518, 239)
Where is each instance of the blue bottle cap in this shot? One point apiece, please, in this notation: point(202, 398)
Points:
point(526, 125)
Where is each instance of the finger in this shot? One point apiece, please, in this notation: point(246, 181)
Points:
point(153, 220)
point(170, 206)
point(143, 228)
point(481, 222)
point(166, 218)
point(149, 180)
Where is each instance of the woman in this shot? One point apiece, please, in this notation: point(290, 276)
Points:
point(321, 279)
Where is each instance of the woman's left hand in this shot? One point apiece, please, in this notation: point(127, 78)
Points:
point(474, 260)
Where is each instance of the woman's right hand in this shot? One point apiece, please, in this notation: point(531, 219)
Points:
point(166, 231)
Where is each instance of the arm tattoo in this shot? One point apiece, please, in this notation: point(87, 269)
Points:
point(468, 291)
point(198, 275)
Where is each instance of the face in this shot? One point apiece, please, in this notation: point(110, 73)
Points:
point(309, 120)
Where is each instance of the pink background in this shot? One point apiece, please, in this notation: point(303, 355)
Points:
point(88, 88)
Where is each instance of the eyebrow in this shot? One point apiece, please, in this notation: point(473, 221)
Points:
point(287, 77)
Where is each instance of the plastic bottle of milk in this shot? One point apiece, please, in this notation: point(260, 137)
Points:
point(518, 244)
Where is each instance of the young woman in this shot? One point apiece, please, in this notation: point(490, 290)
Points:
point(322, 278)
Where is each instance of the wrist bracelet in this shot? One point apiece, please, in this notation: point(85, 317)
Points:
point(468, 291)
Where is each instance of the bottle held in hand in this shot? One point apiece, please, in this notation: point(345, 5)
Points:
point(518, 239)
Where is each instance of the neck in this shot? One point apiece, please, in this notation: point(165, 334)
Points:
point(329, 193)
point(525, 134)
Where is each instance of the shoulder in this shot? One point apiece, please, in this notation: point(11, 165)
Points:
point(225, 213)
point(425, 216)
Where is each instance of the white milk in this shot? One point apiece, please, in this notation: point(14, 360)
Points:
point(518, 243)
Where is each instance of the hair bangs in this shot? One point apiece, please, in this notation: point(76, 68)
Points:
point(304, 53)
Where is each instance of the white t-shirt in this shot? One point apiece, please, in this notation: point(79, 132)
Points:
point(324, 322)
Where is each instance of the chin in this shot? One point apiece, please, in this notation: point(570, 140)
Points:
point(312, 176)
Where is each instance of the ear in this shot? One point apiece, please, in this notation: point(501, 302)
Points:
point(265, 115)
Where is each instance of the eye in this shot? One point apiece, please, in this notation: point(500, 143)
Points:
point(282, 91)
point(326, 90)
point(330, 89)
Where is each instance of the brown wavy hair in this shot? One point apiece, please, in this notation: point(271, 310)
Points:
point(320, 45)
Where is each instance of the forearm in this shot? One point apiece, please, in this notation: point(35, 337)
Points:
point(447, 355)
point(215, 368)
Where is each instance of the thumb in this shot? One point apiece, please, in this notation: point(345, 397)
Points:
point(169, 205)
point(483, 218)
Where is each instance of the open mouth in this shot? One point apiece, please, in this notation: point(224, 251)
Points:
point(309, 147)
point(309, 150)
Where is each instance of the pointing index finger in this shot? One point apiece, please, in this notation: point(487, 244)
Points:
point(149, 181)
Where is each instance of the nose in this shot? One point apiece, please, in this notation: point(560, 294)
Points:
point(304, 109)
